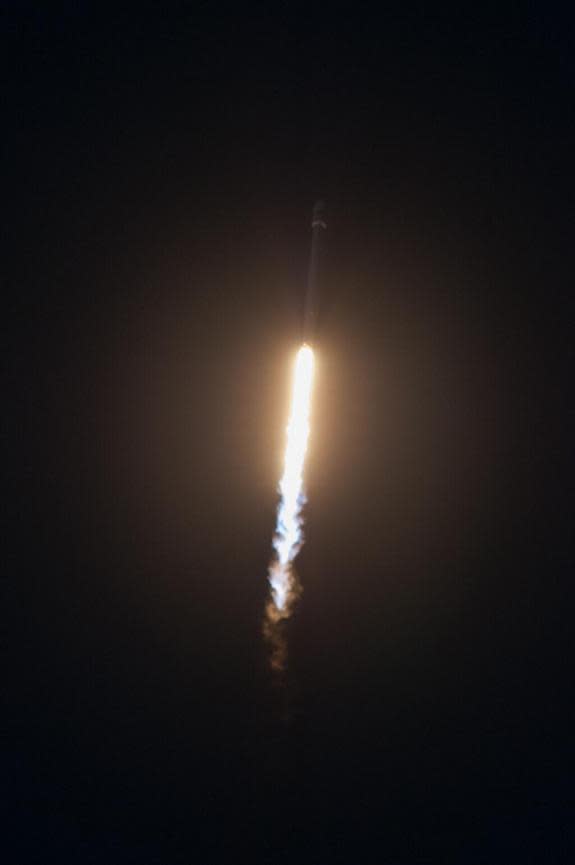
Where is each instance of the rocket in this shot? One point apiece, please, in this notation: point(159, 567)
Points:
point(312, 298)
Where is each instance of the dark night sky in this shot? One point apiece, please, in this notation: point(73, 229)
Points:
point(159, 174)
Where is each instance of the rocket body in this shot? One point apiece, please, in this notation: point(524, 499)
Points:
point(313, 293)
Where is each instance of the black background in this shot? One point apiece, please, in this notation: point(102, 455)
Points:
point(160, 167)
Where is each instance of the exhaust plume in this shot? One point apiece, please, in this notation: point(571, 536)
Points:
point(288, 539)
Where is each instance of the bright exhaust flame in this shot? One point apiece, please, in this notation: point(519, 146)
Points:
point(289, 535)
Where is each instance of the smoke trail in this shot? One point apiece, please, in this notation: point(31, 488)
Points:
point(284, 585)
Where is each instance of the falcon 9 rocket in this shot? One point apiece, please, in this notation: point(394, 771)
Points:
point(312, 299)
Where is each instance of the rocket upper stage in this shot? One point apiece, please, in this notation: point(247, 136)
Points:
point(318, 219)
point(318, 229)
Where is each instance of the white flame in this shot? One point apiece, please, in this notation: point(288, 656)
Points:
point(289, 535)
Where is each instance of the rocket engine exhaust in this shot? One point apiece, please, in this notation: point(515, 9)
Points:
point(284, 585)
point(288, 539)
